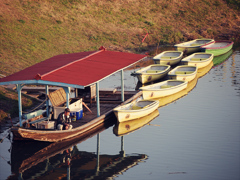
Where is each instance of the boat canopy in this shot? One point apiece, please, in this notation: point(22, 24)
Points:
point(76, 70)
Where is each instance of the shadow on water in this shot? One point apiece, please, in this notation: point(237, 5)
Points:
point(63, 159)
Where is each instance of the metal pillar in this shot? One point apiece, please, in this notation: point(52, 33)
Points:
point(98, 101)
point(98, 152)
point(67, 90)
point(122, 85)
point(47, 102)
point(19, 88)
point(122, 152)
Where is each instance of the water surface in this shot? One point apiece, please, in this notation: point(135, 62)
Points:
point(194, 137)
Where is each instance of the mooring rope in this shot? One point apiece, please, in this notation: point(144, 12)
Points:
point(36, 107)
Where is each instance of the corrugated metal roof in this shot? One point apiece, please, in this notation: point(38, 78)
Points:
point(74, 70)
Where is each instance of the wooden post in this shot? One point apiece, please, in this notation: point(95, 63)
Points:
point(98, 101)
point(19, 88)
point(122, 85)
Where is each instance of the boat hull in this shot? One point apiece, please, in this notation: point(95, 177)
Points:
point(217, 48)
point(129, 114)
point(168, 58)
point(145, 77)
point(127, 127)
point(198, 59)
point(185, 73)
point(192, 46)
point(57, 135)
point(152, 93)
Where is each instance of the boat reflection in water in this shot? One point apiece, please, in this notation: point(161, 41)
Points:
point(191, 84)
point(126, 127)
point(219, 59)
point(63, 160)
point(203, 71)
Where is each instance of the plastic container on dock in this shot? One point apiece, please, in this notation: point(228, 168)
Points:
point(77, 112)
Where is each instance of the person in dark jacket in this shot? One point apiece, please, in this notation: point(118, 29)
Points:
point(64, 120)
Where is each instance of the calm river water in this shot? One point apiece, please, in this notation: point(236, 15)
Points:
point(194, 137)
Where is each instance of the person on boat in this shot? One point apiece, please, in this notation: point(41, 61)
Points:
point(64, 120)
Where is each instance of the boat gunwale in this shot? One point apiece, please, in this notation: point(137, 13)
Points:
point(173, 71)
point(182, 45)
point(187, 59)
point(174, 87)
point(162, 53)
point(149, 106)
point(146, 68)
point(229, 44)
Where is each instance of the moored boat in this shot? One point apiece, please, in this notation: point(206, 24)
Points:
point(40, 127)
point(198, 59)
point(135, 110)
point(127, 127)
point(192, 46)
point(168, 57)
point(162, 89)
point(217, 48)
point(184, 72)
point(152, 73)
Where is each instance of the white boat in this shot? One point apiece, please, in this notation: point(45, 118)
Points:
point(198, 59)
point(127, 127)
point(152, 73)
point(184, 72)
point(168, 57)
point(135, 110)
point(162, 89)
point(192, 46)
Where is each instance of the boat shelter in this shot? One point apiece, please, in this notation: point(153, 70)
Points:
point(76, 70)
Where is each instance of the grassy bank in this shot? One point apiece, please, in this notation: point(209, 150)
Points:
point(9, 103)
point(32, 31)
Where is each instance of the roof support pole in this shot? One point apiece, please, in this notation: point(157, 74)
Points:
point(67, 90)
point(19, 88)
point(98, 152)
point(122, 85)
point(98, 101)
point(47, 102)
point(122, 152)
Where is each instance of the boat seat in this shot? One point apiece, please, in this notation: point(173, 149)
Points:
point(197, 59)
point(134, 107)
point(165, 86)
point(184, 72)
point(153, 71)
point(39, 120)
point(167, 57)
point(196, 44)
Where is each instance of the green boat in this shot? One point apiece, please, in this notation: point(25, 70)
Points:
point(217, 48)
point(220, 59)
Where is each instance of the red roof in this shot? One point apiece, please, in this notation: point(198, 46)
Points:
point(77, 69)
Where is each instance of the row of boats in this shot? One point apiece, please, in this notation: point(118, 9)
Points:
point(178, 77)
